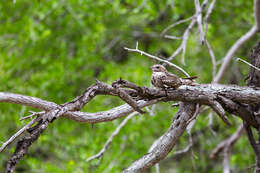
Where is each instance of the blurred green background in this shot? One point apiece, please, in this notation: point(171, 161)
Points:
point(55, 49)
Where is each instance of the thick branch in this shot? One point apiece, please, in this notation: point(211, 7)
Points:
point(43, 122)
point(198, 94)
point(208, 94)
point(165, 143)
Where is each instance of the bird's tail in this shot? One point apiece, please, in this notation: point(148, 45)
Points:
point(188, 80)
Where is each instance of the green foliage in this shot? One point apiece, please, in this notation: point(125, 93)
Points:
point(55, 49)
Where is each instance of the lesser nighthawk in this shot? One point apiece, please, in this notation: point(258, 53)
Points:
point(161, 78)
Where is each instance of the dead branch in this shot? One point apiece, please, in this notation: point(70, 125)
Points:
point(165, 143)
point(158, 59)
point(196, 18)
point(226, 146)
point(17, 134)
point(108, 142)
point(173, 37)
point(226, 60)
point(197, 94)
point(257, 13)
point(239, 59)
point(242, 40)
point(199, 20)
point(190, 123)
point(32, 115)
point(182, 47)
point(175, 24)
point(254, 81)
point(44, 120)
point(206, 18)
point(227, 143)
point(219, 97)
point(213, 59)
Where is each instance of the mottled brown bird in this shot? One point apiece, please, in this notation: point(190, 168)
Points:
point(161, 78)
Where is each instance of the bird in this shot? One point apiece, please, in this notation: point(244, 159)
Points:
point(161, 78)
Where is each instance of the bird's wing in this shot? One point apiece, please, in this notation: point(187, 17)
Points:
point(171, 76)
point(188, 80)
point(153, 81)
point(171, 80)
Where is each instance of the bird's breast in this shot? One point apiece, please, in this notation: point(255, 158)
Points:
point(158, 74)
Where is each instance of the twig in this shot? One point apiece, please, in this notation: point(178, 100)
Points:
point(217, 107)
point(227, 143)
point(111, 44)
point(226, 60)
point(156, 58)
point(186, 149)
point(206, 18)
point(115, 133)
point(173, 37)
point(251, 137)
point(191, 121)
point(239, 59)
point(151, 110)
point(213, 59)
point(157, 168)
point(226, 146)
point(199, 20)
point(32, 115)
point(210, 122)
point(182, 47)
point(17, 134)
point(226, 159)
point(175, 24)
point(185, 37)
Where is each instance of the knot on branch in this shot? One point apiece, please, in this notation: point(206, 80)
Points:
point(125, 84)
point(118, 83)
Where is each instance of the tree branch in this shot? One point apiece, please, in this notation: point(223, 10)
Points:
point(257, 13)
point(207, 94)
point(229, 142)
point(17, 134)
point(165, 143)
point(158, 59)
point(175, 24)
point(242, 40)
point(206, 18)
point(197, 94)
point(115, 133)
point(199, 20)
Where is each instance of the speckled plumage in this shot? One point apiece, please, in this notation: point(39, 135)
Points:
point(161, 78)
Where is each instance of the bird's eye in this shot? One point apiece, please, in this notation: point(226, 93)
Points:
point(157, 67)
